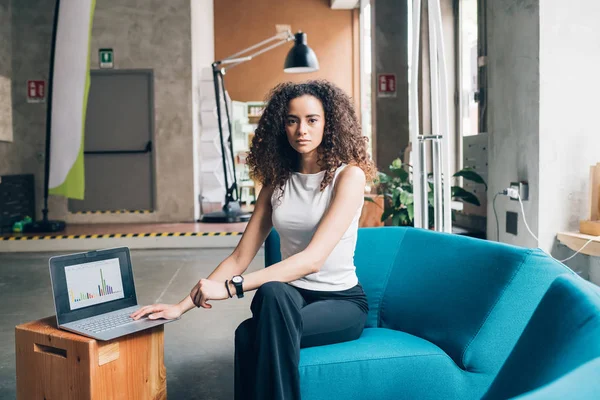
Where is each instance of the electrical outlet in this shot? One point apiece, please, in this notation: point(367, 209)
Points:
point(521, 188)
point(512, 219)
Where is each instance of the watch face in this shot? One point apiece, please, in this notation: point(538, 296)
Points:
point(237, 279)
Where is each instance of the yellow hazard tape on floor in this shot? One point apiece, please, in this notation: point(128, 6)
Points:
point(113, 212)
point(120, 235)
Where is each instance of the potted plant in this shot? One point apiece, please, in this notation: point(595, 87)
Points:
point(397, 190)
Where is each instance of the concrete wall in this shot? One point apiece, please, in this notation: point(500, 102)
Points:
point(513, 110)
point(154, 35)
point(542, 90)
point(31, 31)
point(5, 75)
point(569, 136)
point(390, 54)
point(203, 54)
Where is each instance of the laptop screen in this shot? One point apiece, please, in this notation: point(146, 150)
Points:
point(92, 283)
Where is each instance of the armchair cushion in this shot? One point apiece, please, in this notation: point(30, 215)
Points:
point(379, 365)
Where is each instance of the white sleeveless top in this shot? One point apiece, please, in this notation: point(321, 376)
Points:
point(296, 217)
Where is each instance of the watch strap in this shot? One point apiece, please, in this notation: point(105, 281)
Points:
point(227, 287)
point(239, 289)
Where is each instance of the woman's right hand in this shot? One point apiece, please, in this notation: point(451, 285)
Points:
point(155, 311)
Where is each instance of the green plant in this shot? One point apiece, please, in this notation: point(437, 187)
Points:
point(397, 189)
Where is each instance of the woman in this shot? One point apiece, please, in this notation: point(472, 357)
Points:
point(311, 158)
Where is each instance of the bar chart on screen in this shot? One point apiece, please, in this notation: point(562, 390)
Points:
point(94, 283)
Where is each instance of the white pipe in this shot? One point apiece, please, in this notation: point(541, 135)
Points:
point(414, 110)
point(444, 113)
point(422, 178)
point(433, 70)
point(437, 184)
point(434, 84)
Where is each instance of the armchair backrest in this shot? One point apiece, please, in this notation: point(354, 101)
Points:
point(562, 335)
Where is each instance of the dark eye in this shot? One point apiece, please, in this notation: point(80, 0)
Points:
point(291, 121)
point(312, 120)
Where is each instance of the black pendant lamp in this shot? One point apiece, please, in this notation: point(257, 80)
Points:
point(301, 58)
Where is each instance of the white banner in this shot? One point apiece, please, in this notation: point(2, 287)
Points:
point(69, 97)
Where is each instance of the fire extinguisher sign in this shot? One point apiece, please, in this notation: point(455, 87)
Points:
point(36, 91)
point(386, 85)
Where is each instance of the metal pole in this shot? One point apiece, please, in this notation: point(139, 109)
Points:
point(49, 112)
point(234, 186)
point(437, 185)
point(443, 113)
point(216, 74)
point(434, 72)
point(238, 61)
point(278, 36)
point(417, 162)
point(423, 193)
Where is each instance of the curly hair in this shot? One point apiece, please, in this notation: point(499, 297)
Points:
point(272, 159)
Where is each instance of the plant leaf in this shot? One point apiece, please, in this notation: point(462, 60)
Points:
point(369, 199)
point(386, 214)
point(397, 163)
point(396, 198)
point(431, 216)
point(467, 197)
point(406, 198)
point(403, 219)
point(470, 175)
point(400, 173)
point(396, 220)
point(410, 209)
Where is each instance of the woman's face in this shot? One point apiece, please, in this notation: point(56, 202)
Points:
point(305, 123)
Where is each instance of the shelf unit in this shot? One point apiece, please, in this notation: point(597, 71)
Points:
point(245, 118)
point(575, 241)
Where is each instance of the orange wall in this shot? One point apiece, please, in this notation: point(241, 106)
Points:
point(332, 34)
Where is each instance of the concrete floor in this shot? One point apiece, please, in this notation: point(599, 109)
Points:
point(198, 348)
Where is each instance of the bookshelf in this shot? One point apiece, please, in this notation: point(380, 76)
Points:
point(245, 117)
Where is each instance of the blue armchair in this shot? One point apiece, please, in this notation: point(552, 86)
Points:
point(446, 312)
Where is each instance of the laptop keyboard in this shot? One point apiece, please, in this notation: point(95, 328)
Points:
point(101, 324)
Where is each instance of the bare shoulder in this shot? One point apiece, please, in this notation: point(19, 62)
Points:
point(265, 194)
point(352, 173)
point(267, 190)
point(351, 177)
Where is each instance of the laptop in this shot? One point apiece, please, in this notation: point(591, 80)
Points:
point(94, 294)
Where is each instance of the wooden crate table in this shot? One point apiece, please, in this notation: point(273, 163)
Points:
point(56, 364)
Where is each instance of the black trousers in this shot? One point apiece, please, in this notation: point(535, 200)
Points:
point(284, 320)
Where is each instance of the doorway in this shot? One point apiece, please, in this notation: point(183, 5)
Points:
point(118, 150)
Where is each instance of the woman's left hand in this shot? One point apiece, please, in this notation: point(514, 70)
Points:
point(206, 290)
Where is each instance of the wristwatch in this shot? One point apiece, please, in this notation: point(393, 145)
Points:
point(238, 280)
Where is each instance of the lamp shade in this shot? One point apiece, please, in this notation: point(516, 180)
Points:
point(301, 58)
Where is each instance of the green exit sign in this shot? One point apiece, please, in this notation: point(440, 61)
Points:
point(106, 58)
